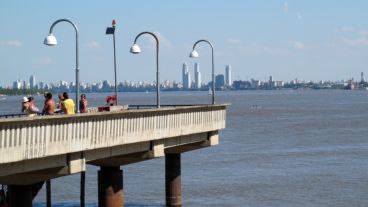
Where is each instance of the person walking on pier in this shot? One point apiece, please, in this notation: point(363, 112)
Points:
point(49, 106)
point(68, 106)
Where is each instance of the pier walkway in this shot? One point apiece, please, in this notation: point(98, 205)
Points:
point(36, 149)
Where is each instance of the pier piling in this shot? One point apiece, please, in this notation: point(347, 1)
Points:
point(110, 187)
point(48, 193)
point(23, 195)
point(82, 189)
point(173, 180)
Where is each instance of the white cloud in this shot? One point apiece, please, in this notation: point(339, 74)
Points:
point(363, 33)
point(233, 41)
point(285, 7)
point(11, 43)
point(296, 44)
point(361, 41)
point(93, 44)
point(345, 29)
point(298, 15)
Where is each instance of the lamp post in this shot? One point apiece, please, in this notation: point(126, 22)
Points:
point(50, 40)
point(135, 49)
point(194, 54)
point(111, 30)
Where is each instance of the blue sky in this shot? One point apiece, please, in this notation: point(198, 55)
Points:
point(309, 40)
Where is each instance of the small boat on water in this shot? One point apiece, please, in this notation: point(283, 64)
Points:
point(210, 91)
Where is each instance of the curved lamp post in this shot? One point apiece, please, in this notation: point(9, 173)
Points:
point(135, 49)
point(109, 31)
point(50, 40)
point(194, 54)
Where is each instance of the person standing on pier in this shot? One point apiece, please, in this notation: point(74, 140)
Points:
point(32, 110)
point(68, 106)
point(83, 104)
point(49, 106)
point(25, 104)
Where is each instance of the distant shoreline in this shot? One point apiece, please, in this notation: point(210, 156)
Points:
point(13, 92)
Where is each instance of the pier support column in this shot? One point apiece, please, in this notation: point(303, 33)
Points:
point(173, 179)
point(110, 187)
point(22, 195)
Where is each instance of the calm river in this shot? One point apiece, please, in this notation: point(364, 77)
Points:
point(280, 148)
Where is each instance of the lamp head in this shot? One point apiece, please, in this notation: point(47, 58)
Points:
point(194, 54)
point(50, 40)
point(135, 49)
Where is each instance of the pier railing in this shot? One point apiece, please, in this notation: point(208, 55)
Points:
point(27, 138)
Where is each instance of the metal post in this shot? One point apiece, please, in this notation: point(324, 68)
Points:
point(157, 77)
point(157, 65)
point(116, 82)
point(76, 58)
point(213, 78)
point(110, 187)
point(213, 67)
point(173, 180)
point(77, 72)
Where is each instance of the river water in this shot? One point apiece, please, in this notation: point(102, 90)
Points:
point(280, 148)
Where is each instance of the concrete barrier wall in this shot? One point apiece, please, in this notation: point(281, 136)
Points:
point(38, 137)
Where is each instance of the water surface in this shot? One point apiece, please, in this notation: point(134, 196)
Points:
point(280, 148)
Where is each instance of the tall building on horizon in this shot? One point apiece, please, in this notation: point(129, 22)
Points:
point(32, 81)
point(17, 84)
point(197, 76)
point(219, 81)
point(362, 77)
point(186, 76)
point(228, 81)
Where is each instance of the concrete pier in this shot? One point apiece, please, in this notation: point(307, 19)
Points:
point(110, 187)
point(41, 148)
point(173, 180)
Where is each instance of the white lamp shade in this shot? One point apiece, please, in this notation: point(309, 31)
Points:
point(194, 54)
point(50, 40)
point(135, 49)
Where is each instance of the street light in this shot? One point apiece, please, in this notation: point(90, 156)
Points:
point(194, 54)
point(135, 49)
point(50, 40)
point(111, 30)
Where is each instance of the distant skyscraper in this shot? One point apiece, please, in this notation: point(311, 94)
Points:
point(17, 84)
point(219, 81)
point(197, 76)
point(228, 81)
point(184, 73)
point(270, 82)
point(186, 76)
point(32, 81)
point(25, 85)
point(362, 77)
point(41, 85)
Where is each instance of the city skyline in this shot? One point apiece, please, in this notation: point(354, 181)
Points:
point(223, 81)
point(289, 39)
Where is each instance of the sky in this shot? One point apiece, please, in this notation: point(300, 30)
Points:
point(304, 39)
